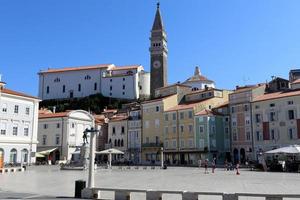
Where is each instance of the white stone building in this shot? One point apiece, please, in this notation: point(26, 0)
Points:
point(198, 81)
point(127, 82)
point(117, 134)
point(61, 133)
point(18, 126)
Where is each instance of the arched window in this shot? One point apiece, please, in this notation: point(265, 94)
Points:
point(24, 154)
point(115, 142)
point(13, 156)
point(122, 143)
point(2, 155)
point(118, 142)
point(109, 140)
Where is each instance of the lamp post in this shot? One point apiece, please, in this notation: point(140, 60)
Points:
point(162, 157)
point(91, 178)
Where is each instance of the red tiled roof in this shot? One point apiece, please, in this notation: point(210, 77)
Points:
point(185, 105)
point(53, 115)
point(247, 88)
point(225, 104)
point(277, 95)
point(66, 69)
point(12, 92)
point(157, 99)
point(126, 67)
point(296, 81)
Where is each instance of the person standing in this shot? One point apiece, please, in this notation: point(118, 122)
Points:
point(238, 168)
point(213, 164)
point(206, 166)
point(199, 163)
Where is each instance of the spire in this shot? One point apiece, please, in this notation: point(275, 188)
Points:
point(158, 23)
point(197, 71)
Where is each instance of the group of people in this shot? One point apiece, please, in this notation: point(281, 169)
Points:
point(227, 166)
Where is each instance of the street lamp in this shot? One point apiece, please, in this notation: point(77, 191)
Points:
point(91, 178)
point(162, 157)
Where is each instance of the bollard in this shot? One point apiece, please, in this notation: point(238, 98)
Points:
point(153, 195)
point(79, 185)
point(230, 197)
point(189, 195)
point(274, 198)
point(122, 195)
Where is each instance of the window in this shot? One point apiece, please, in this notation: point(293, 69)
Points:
point(232, 110)
point(190, 128)
point(226, 130)
point(4, 107)
point(201, 129)
point(213, 129)
point(26, 130)
point(291, 133)
point(234, 123)
point(116, 142)
point(166, 130)
point(16, 110)
point(123, 130)
point(190, 143)
point(64, 89)
point(47, 89)
point(182, 143)
point(122, 143)
point(146, 124)
point(291, 114)
point(147, 140)
point(123, 87)
point(110, 88)
point(57, 139)
point(87, 77)
point(57, 80)
point(247, 121)
point(156, 140)
point(257, 118)
point(166, 117)
point(156, 123)
point(57, 125)
point(95, 86)
point(174, 144)
point(174, 129)
point(123, 79)
point(246, 107)
point(110, 94)
point(110, 80)
point(190, 114)
point(157, 108)
point(27, 110)
point(174, 116)
point(114, 130)
point(181, 128)
point(272, 134)
point(79, 87)
point(73, 125)
point(123, 93)
point(290, 102)
point(248, 135)
point(272, 116)
point(45, 126)
point(257, 107)
point(3, 129)
point(257, 135)
point(272, 105)
point(181, 115)
point(234, 136)
point(15, 130)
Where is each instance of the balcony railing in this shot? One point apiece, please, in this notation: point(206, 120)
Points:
point(153, 144)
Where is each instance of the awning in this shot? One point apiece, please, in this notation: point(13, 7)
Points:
point(46, 152)
point(38, 155)
point(293, 149)
point(110, 151)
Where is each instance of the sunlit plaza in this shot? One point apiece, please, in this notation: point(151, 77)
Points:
point(50, 182)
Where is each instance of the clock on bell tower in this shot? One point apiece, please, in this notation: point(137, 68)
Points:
point(158, 54)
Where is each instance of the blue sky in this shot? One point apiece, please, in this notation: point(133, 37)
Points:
point(234, 42)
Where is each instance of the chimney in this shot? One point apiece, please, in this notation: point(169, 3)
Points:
point(2, 84)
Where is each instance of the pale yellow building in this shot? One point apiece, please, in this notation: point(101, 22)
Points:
point(276, 120)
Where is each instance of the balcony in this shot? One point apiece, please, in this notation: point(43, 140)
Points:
point(153, 144)
point(134, 117)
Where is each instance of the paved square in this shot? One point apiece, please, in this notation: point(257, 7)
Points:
point(51, 181)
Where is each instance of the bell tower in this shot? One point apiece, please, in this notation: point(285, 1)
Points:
point(158, 54)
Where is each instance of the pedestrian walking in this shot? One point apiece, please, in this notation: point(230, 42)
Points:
point(213, 164)
point(205, 166)
point(226, 165)
point(238, 168)
point(199, 163)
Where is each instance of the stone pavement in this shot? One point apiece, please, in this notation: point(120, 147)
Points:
point(50, 181)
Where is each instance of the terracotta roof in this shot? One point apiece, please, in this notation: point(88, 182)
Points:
point(208, 112)
point(185, 106)
point(119, 117)
point(225, 104)
point(175, 84)
point(53, 115)
point(277, 95)
point(110, 111)
point(157, 99)
point(247, 88)
point(66, 69)
point(12, 92)
point(296, 81)
point(126, 67)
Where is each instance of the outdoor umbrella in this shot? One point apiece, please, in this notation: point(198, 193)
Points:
point(293, 149)
point(110, 152)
